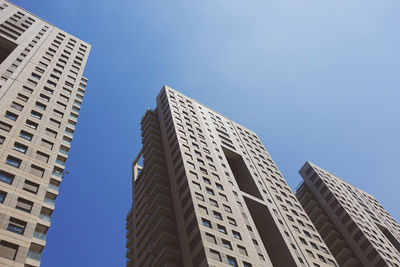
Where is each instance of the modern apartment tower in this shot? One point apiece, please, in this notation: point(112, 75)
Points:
point(356, 228)
point(209, 194)
point(41, 91)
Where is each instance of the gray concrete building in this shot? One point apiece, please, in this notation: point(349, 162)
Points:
point(207, 193)
point(41, 91)
point(355, 227)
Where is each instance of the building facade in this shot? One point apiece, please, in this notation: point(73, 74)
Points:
point(41, 91)
point(209, 194)
point(356, 228)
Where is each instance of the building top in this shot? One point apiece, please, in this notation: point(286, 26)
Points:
point(30, 13)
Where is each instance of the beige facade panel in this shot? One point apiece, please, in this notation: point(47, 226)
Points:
point(231, 205)
point(41, 91)
point(356, 228)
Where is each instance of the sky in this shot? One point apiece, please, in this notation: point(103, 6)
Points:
point(317, 80)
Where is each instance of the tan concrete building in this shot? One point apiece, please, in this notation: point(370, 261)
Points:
point(209, 194)
point(356, 228)
point(41, 91)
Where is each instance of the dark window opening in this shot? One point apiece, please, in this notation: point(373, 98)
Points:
point(269, 232)
point(390, 237)
point(6, 47)
point(241, 173)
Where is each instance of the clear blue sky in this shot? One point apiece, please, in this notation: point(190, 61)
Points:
point(317, 80)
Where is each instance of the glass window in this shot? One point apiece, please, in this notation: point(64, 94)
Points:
point(13, 161)
point(221, 229)
point(236, 235)
point(20, 147)
point(6, 177)
point(11, 116)
point(26, 135)
point(2, 196)
point(226, 244)
point(232, 261)
point(206, 223)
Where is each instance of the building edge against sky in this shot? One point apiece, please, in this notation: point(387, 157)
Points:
point(356, 228)
point(41, 92)
point(198, 196)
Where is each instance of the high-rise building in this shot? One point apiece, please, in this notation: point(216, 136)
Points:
point(41, 91)
point(355, 227)
point(209, 194)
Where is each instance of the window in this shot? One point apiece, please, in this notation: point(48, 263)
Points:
point(40, 105)
point(226, 244)
point(12, 161)
point(26, 135)
point(206, 223)
point(242, 250)
point(237, 235)
point(47, 144)
point(24, 205)
point(17, 106)
point(310, 253)
point(207, 181)
point(223, 196)
point(227, 208)
point(213, 202)
point(211, 238)
point(20, 147)
point(36, 114)
point(215, 255)
point(11, 116)
point(217, 215)
point(221, 229)
point(203, 209)
point(2, 196)
point(51, 133)
point(6, 177)
point(37, 171)
point(314, 245)
point(232, 261)
point(219, 186)
point(210, 191)
point(16, 226)
point(31, 187)
point(199, 196)
point(35, 76)
point(8, 250)
point(31, 124)
point(22, 97)
point(48, 90)
point(5, 126)
point(321, 258)
point(246, 264)
point(302, 240)
point(231, 221)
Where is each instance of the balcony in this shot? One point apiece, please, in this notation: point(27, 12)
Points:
point(54, 187)
point(65, 152)
point(45, 217)
point(58, 174)
point(34, 255)
point(73, 117)
point(68, 133)
point(60, 162)
point(41, 236)
point(50, 201)
point(68, 143)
